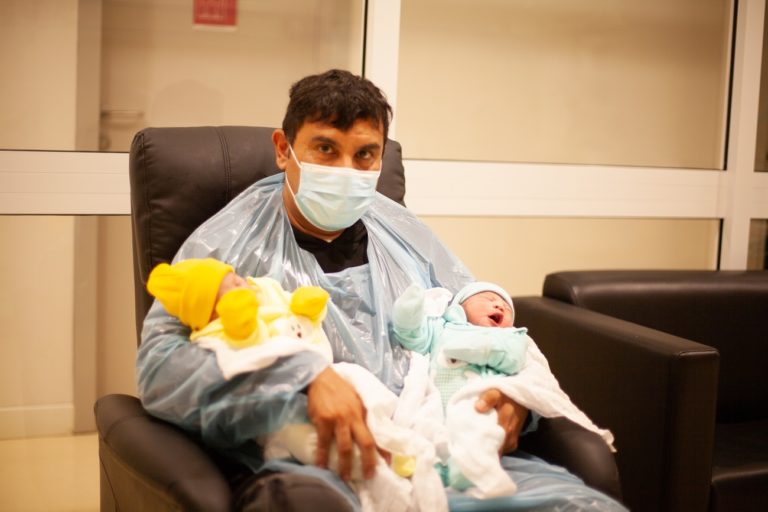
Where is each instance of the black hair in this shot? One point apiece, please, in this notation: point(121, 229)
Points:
point(336, 97)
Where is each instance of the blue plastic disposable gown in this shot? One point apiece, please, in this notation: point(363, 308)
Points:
point(181, 382)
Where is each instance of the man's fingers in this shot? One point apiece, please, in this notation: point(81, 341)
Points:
point(365, 442)
point(384, 454)
point(506, 415)
point(487, 400)
point(336, 411)
point(510, 415)
point(324, 438)
point(344, 448)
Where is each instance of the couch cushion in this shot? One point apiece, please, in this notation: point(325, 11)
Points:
point(723, 309)
point(740, 467)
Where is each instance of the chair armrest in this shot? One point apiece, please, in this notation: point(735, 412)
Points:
point(582, 452)
point(139, 451)
point(656, 392)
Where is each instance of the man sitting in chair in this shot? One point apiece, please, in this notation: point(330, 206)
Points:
point(321, 223)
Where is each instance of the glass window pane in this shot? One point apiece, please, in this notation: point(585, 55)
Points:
point(518, 252)
point(757, 257)
point(38, 56)
point(88, 75)
point(761, 147)
point(37, 307)
point(589, 82)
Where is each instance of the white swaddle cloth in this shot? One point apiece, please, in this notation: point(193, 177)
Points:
point(386, 491)
point(536, 388)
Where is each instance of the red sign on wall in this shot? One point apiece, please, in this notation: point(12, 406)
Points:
point(220, 13)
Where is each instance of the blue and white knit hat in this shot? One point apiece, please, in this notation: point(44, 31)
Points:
point(479, 287)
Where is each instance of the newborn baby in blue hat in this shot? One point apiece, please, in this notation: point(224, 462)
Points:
point(474, 338)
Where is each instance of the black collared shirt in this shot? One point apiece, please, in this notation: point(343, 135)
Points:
point(347, 250)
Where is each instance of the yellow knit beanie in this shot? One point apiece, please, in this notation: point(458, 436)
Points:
point(188, 289)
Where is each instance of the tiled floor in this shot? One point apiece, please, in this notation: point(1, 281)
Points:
point(50, 474)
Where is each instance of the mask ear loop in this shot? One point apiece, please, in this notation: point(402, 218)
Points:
point(296, 159)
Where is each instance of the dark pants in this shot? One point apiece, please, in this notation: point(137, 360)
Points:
point(286, 492)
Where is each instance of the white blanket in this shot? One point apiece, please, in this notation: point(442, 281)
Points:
point(471, 439)
point(386, 492)
point(414, 424)
point(536, 388)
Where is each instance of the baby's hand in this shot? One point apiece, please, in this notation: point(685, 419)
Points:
point(408, 310)
point(237, 310)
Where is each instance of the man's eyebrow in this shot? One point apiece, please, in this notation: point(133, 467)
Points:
point(322, 139)
point(370, 147)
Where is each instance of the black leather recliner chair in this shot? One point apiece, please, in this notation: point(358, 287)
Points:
point(179, 178)
point(675, 363)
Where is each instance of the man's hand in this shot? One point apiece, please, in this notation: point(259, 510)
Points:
point(336, 411)
point(511, 416)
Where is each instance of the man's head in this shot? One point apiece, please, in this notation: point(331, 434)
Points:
point(337, 98)
point(335, 121)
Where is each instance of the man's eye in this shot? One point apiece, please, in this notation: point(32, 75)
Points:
point(364, 155)
point(325, 148)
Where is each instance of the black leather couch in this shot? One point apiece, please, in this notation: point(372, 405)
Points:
point(675, 363)
point(180, 177)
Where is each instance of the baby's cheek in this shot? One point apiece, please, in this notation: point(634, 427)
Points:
point(482, 321)
point(472, 316)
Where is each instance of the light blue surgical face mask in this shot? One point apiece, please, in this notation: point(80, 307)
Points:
point(333, 198)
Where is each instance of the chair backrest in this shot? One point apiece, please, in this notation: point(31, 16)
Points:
point(723, 309)
point(181, 176)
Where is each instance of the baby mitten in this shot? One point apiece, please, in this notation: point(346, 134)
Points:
point(408, 310)
point(501, 348)
point(309, 301)
point(403, 465)
point(237, 310)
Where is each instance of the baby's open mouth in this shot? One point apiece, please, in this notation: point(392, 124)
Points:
point(496, 318)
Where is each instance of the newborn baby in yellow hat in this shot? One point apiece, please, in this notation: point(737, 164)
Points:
point(209, 297)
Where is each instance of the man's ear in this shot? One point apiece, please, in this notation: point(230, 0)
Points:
point(282, 153)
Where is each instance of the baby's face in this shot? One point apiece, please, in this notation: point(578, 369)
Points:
point(488, 310)
point(230, 282)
